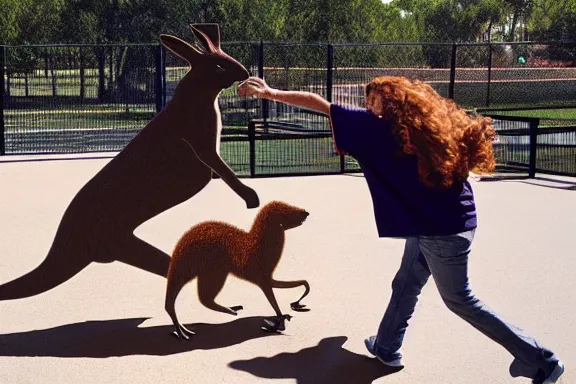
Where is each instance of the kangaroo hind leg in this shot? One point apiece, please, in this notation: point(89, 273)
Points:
point(138, 253)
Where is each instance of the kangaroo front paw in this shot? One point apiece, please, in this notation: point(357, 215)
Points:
point(237, 308)
point(251, 198)
point(296, 306)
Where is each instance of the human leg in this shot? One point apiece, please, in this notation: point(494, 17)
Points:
point(447, 258)
point(406, 287)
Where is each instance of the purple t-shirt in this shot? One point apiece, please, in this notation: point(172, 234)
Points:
point(403, 205)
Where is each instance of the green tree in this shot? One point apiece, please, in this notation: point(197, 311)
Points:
point(253, 20)
point(29, 21)
point(520, 9)
point(553, 20)
point(10, 20)
point(444, 21)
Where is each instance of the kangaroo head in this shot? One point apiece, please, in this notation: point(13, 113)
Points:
point(207, 59)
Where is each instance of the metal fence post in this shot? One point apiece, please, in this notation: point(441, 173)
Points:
point(26, 85)
point(2, 73)
point(264, 102)
point(5, 53)
point(111, 84)
point(329, 93)
point(52, 64)
point(164, 86)
point(159, 78)
point(101, 73)
point(534, 123)
point(489, 74)
point(252, 147)
point(452, 71)
point(82, 76)
point(330, 72)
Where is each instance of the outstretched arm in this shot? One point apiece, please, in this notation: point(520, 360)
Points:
point(255, 86)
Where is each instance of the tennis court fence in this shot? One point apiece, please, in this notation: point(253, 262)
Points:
point(58, 99)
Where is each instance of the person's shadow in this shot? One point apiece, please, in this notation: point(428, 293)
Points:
point(123, 337)
point(326, 362)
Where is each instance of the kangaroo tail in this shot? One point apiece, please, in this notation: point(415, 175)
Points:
point(56, 269)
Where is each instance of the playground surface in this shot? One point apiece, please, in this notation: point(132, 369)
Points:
point(108, 324)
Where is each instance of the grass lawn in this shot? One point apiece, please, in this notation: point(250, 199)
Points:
point(284, 156)
point(555, 159)
point(83, 117)
point(567, 113)
point(48, 126)
point(67, 83)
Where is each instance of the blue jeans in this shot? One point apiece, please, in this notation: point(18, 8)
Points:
point(446, 259)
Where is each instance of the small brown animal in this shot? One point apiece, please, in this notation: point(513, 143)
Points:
point(211, 250)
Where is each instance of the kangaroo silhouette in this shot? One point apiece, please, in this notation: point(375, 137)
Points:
point(170, 160)
point(211, 250)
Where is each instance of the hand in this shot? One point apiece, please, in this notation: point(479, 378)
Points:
point(255, 86)
point(251, 198)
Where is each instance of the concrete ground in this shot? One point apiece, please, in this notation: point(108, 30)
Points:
point(108, 324)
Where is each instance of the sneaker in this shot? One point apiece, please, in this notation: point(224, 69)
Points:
point(370, 346)
point(552, 377)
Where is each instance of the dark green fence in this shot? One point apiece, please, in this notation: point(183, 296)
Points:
point(95, 98)
point(535, 145)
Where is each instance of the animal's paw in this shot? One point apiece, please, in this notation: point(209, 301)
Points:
point(251, 198)
point(276, 323)
point(180, 336)
point(234, 310)
point(183, 333)
point(186, 331)
point(296, 306)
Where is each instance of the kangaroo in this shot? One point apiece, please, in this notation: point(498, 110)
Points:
point(211, 250)
point(170, 160)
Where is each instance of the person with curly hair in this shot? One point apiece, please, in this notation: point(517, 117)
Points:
point(417, 150)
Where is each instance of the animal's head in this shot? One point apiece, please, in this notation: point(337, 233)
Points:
point(285, 215)
point(206, 57)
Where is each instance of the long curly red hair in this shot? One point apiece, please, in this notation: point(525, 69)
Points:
point(448, 143)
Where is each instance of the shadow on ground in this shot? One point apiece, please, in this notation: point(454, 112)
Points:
point(114, 338)
point(326, 362)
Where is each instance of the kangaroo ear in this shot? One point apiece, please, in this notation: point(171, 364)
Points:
point(208, 33)
point(181, 48)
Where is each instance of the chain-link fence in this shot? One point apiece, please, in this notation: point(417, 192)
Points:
point(535, 145)
point(88, 98)
point(65, 99)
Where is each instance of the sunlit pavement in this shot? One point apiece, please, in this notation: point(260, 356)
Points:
point(108, 324)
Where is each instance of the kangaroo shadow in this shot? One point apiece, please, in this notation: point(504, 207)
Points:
point(326, 362)
point(123, 337)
